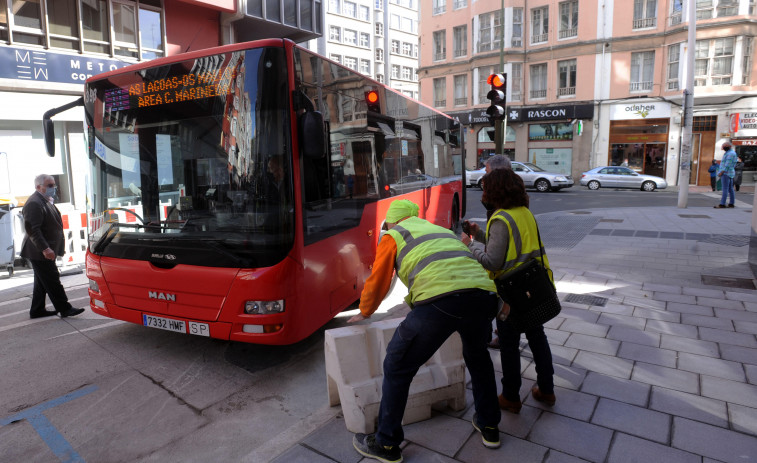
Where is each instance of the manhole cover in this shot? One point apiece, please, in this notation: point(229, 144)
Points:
point(586, 299)
point(580, 212)
point(612, 220)
point(694, 216)
point(728, 282)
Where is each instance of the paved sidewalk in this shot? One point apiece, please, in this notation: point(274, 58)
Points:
point(655, 350)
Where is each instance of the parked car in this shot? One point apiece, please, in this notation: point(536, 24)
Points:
point(473, 177)
point(620, 177)
point(410, 183)
point(535, 177)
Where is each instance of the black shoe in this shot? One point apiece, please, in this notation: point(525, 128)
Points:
point(367, 446)
point(489, 435)
point(46, 313)
point(71, 312)
point(719, 206)
point(731, 205)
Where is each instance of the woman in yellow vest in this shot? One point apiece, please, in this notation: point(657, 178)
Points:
point(512, 239)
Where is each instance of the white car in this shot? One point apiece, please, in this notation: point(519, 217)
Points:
point(473, 177)
point(535, 177)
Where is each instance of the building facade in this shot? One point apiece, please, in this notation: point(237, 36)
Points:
point(630, 58)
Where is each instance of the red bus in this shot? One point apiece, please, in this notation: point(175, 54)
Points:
point(239, 192)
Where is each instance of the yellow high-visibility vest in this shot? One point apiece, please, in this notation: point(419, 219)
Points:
point(523, 243)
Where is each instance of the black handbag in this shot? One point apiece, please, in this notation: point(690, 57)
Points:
point(529, 291)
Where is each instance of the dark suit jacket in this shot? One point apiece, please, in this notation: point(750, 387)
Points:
point(44, 228)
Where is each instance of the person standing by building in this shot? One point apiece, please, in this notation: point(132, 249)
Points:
point(713, 170)
point(739, 168)
point(448, 291)
point(511, 240)
point(44, 241)
point(726, 172)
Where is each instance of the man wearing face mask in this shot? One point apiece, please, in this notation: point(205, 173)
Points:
point(726, 172)
point(43, 242)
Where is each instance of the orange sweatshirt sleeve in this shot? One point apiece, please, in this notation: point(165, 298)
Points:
point(377, 285)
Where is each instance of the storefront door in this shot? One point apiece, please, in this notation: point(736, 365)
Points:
point(648, 158)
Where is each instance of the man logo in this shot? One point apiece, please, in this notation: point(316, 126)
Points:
point(161, 296)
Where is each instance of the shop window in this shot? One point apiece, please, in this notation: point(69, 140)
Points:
point(486, 135)
point(552, 131)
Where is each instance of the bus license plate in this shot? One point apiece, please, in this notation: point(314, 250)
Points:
point(178, 326)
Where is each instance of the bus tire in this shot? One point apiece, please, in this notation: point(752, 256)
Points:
point(455, 222)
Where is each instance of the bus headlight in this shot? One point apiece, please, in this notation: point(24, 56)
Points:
point(263, 307)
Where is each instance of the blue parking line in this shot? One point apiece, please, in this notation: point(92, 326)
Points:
point(54, 439)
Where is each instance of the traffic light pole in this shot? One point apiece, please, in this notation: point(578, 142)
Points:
point(499, 126)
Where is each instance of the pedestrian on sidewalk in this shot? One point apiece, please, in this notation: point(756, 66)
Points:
point(511, 240)
point(727, 172)
point(44, 241)
point(739, 168)
point(448, 291)
point(713, 170)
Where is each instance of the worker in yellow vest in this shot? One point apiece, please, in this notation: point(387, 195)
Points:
point(448, 291)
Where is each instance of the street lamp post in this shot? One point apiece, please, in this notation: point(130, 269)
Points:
point(684, 170)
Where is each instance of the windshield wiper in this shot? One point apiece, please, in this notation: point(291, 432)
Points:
point(105, 239)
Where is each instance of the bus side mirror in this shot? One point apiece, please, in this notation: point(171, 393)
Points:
point(48, 128)
point(312, 137)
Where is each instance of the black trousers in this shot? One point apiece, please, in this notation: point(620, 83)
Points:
point(47, 283)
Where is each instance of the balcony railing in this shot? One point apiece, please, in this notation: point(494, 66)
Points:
point(439, 9)
point(641, 86)
point(514, 96)
point(538, 93)
point(539, 38)
point(564, 91)
point(644, 23)
point(676, 18)
point(461, 101)
point(459, 53)
point(460, 4)
point(440, 56)
point(673, 84)
point(565, 33)
point(440, 103)
point(517, 42)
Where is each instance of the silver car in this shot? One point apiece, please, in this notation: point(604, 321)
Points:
point(535, 177)
point(473, 177)
point(621, 177)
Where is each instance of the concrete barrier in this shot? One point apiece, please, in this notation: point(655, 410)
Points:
point(354, 373)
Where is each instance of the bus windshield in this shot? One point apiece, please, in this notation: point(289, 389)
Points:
point(191, 162)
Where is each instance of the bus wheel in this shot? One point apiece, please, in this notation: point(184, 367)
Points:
point(455, 225)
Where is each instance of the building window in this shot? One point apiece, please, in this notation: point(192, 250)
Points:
point(396, 47)
point(753, 7)
point(460, 37)
point(379, 5)
point(714, 62)
point(350, 62)
point(538, 81)
point(517, 40)
point(336, 58)
point(516, 81)
point(350, 9)
point(728, 8)
point(415, 50)
point(364, 13)
point(440, 92)
point(489, 30)
point(380, 78)
point(458, 4)
point(407, 73)
point(568, 19)
point(394, 21)
point(566, 77)
point(407, 49)
point(676, 12)
point(380, 29)
point(365, 67)
point(674, 57)
point(642, 71)
point(395, 71)
point(335, 34)
point(483, 86)
point(644, 14)
point(335, 6)
point(439, 6)
point(746, 63)
point(704, 9)
point(350, 37)
point(540, 25)
point(440, 45)
point(380, 55)
point(365, 40)
point(461, 90)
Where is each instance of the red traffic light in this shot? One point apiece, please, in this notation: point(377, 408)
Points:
point(497, 80)
point(372, 96)
point(372, 101)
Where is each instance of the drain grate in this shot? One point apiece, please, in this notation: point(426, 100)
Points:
point(694, 216)
point(728, 240)
point(586, 299)
point(580, 212)
point(612, 220)
point(728, 282)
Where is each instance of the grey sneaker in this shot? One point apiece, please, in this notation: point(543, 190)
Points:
point(489, 435)
point(367, 446)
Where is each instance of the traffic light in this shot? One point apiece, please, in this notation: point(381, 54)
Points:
point(372, 101)
point(497, 96)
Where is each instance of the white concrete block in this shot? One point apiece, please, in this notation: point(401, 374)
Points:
point(354, 374)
